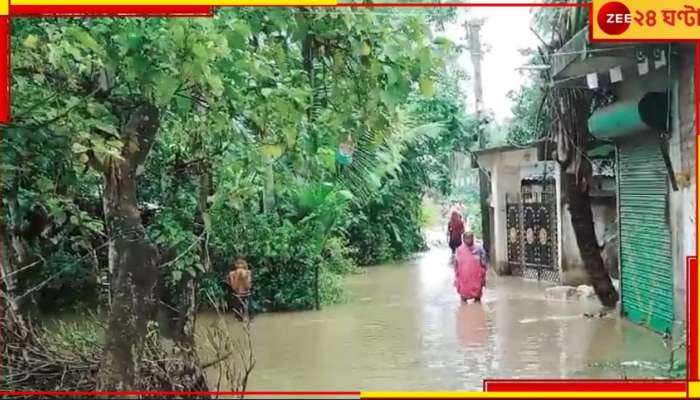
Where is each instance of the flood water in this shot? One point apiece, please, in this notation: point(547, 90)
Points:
point(402, 327)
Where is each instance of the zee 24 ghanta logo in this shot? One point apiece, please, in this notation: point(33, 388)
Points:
point(615, 18)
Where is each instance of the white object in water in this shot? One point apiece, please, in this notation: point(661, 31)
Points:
point(560, 292)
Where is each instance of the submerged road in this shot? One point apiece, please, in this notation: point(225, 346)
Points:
point(403, 328)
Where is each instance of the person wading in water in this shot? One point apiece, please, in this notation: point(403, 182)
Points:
point(455, 229)
point(470, 269)
point(240, 281)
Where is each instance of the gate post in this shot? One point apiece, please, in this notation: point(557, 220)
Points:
point(521, 236)
point(553, 224)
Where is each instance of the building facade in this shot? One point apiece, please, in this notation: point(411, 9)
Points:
point(650, 118)
point(532, 231)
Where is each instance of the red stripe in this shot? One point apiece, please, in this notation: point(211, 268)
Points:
point(138, 393)
point(608, 40)
point(697, 89)
point(435, 5)
point(97, 10)
point(692, 320)
point(590, 23)
point(5, 69)
point(584, 386)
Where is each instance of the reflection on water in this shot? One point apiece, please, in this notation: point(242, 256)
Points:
point(403, 328)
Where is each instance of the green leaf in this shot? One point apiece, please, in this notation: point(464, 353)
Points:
point(200, 267)
point(165, 88)
point(134, 41)
point(59, 216)
point(216, 85)
point(177, 275)
point(365, 49)
point(425, 58)
point(44, 184)
point(30, 41)
point(238, 37)
point(442, 41)
point(272, 151)
point(291, 136)
point(87, 40)
point(104, 127)
point(79, 148)
point(327, 157)
point(200, 52)
point(178, 32)
point(393, 52)
point(242, 28)
point(391, 76)
point(345, 194)
point(388, 99)
point(426, 86)
point(266, 92)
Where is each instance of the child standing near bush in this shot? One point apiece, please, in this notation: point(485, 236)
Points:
point(240, 281)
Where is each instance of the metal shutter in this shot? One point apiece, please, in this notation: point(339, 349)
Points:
point(645, 239)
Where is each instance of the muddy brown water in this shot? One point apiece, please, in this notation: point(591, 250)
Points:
point(403, 328)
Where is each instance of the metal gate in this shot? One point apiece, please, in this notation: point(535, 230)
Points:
point(532, 235)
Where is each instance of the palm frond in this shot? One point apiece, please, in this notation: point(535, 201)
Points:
point(379, 153)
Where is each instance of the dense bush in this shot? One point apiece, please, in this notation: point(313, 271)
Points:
point(389, 227)
point(253, 108)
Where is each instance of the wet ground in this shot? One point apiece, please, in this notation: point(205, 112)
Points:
point(403, 328)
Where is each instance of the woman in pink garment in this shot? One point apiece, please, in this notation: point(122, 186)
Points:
point(470, 269)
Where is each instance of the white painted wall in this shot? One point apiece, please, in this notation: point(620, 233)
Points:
point(682, 202)
point(572, 268)
point(505, 178)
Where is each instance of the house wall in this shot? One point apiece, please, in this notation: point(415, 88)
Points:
point(505, 178)
point(682, 202)
point(572, 268)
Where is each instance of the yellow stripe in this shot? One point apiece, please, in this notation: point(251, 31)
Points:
point(4, 7)
point(171, 2)
point(524, 395)
point(693, 389)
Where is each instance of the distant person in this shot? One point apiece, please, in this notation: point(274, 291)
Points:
point(470, 269)
point(240, 281)
point(455, 229)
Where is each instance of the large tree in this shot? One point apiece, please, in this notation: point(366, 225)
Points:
point(175, 144)
point(112, 83)
point(569, 110)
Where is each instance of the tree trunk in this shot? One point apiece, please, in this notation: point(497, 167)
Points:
point(582, 222)
point(187, 307)
point(572, 108)
point(133, 260)
point(484, 191)
point(9, 310)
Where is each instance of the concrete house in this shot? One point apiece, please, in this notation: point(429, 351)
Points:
point(532, 235)
point(649, 116)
